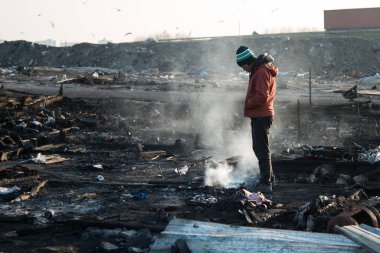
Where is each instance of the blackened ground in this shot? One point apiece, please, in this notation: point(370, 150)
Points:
point(135, 141)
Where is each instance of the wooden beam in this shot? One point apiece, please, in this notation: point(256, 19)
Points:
point(363, 237)
point(33, 192)
point(213, 237)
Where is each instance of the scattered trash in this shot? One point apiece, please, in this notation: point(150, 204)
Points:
point(9, 190)
point(108, 246)
point(374, 201)
point(255, 198)
point(49, 214)
point(85, 196)
point(50, 121)
point(137, 250)
point(98, 166)
point(203, 74)
point(151, 154)
point(33, 192)
point(46, 159)
point(372, 156)
point(156, 114)
point(204, 199)
point(100, 178)
point(182, 170)
point(371, 78)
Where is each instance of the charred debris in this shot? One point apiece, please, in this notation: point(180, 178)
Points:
point(94, 160)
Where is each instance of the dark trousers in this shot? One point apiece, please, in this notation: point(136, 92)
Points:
point(260, 144)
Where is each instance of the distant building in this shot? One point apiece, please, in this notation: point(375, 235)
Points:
point(365, 18)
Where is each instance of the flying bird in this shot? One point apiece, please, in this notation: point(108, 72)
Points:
point(118, 9)
point(52, 24)
point(39, 14)
point(127, 34)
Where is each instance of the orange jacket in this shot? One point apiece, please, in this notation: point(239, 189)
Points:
point(261, 91)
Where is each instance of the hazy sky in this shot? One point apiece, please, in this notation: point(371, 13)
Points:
point(94, 20)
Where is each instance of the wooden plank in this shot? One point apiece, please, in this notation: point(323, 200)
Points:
point(361, 92)
point(31, 193)
point(213, 237)
point(4, 156)
point(370, 229)
point(43, 102)
point(361, 236)
point(369, 92)
point(151, 154)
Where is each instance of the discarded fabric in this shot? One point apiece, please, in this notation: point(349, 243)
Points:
point(257, 198)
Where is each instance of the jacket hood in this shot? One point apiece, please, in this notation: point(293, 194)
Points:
point(265, 60)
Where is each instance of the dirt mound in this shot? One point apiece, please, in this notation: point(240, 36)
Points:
point(349, 53)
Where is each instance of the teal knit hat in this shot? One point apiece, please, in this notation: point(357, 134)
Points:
point(244, 55)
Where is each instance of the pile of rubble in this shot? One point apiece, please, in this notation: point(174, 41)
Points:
point(354, 53)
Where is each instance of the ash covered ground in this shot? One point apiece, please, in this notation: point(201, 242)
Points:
point(103, 145)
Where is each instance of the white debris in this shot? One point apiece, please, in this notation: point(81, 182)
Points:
point(9, 190)
point(46, 159)
point(98, 166)
point(39, 158)
point(203, 74)
point(204, 199)
point(100, 178)
point(371, 78)
point(50, 121)
point(371, 156)
point(182, 170)
point(108, 246)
